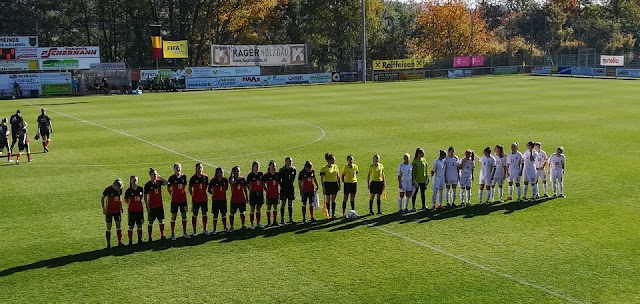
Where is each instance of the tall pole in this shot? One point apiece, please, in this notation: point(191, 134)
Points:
point(364, 44)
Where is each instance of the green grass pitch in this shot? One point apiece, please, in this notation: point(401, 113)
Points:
point(582, 249)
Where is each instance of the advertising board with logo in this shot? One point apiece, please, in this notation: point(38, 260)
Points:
point(344, 76)
point(175, 49)
point(459, 73)
point(607, 60)
point(13, 65)
point(386, 77)
point(68, 64)
point(18, 41)
point(628, 73)
point(203, 72)
point(564, 71)
point(398, 64)
point(505, 70)
point(55, 83)
point(108, 66)
point(319, 78)
point(411, 75)
point(541, 70)
point(258, 55)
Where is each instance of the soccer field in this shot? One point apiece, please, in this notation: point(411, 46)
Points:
point(582, 249)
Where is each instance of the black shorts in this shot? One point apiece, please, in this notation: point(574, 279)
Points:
point(136, 218)
point(272, 202)
point(3, 144)
point(307, 198)
point(219, 207)
point(287, 193)
point(331, 188)
point(238, 208)
point(113, 216)
point(256, 198)
point(156, 214)
point(182, 207)
point(14, 136)
point(196, 207)
point(350, 188)
point(44, 132)
point(23, 146)
point(376, 187)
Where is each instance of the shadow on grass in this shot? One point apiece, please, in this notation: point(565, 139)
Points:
point(331, 225)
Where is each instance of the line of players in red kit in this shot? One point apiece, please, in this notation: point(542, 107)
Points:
point(277, 186)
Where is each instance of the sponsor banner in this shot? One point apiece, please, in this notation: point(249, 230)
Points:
point(607, 60)
point(344, 76)
point(151, 74)
point(477, 61)
point(56, 89)
point(13, 65)
point(319, 78)
point(599, 72)
point(274, 80)
point(630, 73)
point(203, 72)
point(69, 52)
point(211, 83)
point(26, 53)
point(611, 72)
point(564, 71)
point(18, 41)
point(53, 78)
point(459, 73)
point(410, 75)
point(296, 79)
point(27, 82)
point(505, 70)
point(398, 64)
point(258, 55)
point(67, 64)
point(386, 76)
point(461, 62)
point(581, 71)
point(108, 66)
point(249, 81)
point(175, 49)
point(541, 70)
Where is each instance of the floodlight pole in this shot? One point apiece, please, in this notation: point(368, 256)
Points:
point(364, 44)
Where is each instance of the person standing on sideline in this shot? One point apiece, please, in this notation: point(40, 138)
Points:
point(286, 179)
point(557, 163)
point(112, 210)
point(438, 177)
point(420, 172)
point(376, 183)
point(45, 128)
point(198, 184)
point(350, 181)
point(405, 184)
point(330, 178)
point(452, 177)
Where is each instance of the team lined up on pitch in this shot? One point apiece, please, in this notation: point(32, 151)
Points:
point(447, 173)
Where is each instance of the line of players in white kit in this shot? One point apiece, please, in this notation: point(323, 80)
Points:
point(449, 171)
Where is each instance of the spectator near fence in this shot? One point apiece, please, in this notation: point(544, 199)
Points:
point(17, 89)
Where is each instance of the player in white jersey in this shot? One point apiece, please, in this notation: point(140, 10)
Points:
point(487, 170)
point(467, 166)
point(556, 172)
point(514, 170)
point(530, 175)
point(451, 176)
point(541, 163)
point(405, 183)
point(438, 176)
point(501, 171)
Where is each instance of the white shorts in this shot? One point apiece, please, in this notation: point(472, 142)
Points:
point(465, 180)
point(514, 177)
point(498, 180)
point(542, 176)
point(557, 176)
point(451, 180)
point(530, 177)
point(406, 186)
point(486, 180)
point(438, 183)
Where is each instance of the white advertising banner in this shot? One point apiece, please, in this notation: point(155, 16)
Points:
point(541, 70)
point(67, 64)
point(57, 78)
point(13, 65)
point(607, 60)
point(108, 66)
point(58, 52)
point(18, 41)
point(629, 73)
point(258, 55)
point(27, 82)
point(204, 72)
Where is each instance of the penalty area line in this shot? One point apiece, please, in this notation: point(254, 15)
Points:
point(123, 134)
point(477, 265)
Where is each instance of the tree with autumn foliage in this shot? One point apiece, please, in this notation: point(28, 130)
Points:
point(450, 28)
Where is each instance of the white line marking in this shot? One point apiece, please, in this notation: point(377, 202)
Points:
point(485, 268)
point(125, 134)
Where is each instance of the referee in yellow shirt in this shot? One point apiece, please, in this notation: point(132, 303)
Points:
point(350, 181)
point(375, 182)
point(330, 178)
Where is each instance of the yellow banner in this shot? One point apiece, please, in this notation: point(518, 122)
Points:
point(398, 64)
point(175, 49)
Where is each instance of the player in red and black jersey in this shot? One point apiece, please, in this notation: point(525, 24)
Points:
point(4, 138)
point(273, 193)
point(239, 196)
point(133, 196)
point(112, 209)
point(218, 187)
point(256, 194)
point(153, 201)
point(177, 187)
point(198, 184)
point(45, 128)
point(286, 179)
point(308, 188)
point(23, 143)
